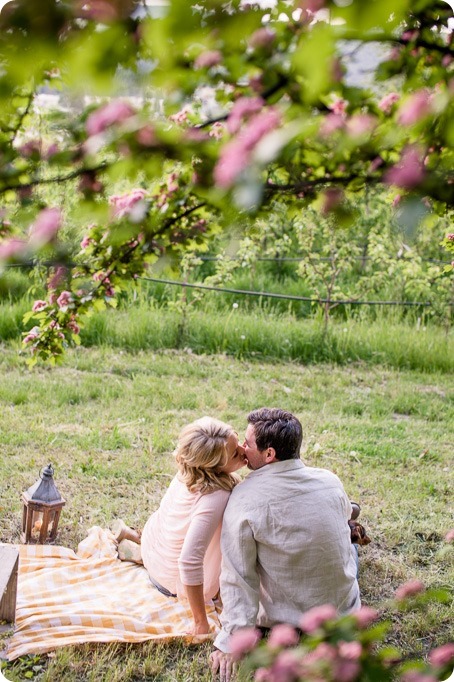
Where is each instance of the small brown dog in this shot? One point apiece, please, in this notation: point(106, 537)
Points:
point(358, 533)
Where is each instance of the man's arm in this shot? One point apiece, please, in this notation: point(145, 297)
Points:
point(240, 580)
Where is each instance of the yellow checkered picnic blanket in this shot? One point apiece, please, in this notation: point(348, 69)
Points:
point(66, 598)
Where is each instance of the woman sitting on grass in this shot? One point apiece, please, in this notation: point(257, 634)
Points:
point(180, 543)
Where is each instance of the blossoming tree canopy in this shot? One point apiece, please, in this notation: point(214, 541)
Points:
point(202, 113)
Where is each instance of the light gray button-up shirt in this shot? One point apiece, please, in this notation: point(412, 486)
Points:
point(285, 548)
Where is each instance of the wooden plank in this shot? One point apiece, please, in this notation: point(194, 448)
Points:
point(9, 564)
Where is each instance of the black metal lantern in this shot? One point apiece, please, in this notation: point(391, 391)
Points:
point(41, 511)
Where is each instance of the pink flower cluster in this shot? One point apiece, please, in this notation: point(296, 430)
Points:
point(449, 537)
point(338, 106)
point(237, 153)
point(114, 112)
point(442, 655)
point(57, 278)
point(13, 248)
point(244, 108)
point(64, 300)
point(45, 227)
point(38, 306)
point(409, 171)
point(283, 636)
point(313, 619)
point(32, 335)
point(207, 59)
point(409, 589)
point(415, 108)
point(263, 37)
point(243, 641)
point(387, 102)
point(123, 204)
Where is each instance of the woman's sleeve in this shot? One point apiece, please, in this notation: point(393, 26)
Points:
point(206, 517)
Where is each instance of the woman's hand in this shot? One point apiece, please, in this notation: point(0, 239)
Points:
point(202, 628)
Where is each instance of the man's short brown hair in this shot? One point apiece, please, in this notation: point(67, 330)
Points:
point(278, 429)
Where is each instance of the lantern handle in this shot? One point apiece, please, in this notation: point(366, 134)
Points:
point(49, 466)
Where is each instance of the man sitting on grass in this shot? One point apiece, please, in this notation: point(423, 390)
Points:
point(285, 537)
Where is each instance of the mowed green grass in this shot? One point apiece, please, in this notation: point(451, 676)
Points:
point(108, 421)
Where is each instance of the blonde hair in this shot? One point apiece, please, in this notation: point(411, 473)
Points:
point(200, 454)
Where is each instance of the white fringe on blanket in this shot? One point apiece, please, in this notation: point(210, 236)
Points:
point(66, 598)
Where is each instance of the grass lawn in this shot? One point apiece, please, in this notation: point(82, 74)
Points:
point(108, 420)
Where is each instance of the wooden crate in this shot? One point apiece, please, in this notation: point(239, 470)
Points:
point(9, 564)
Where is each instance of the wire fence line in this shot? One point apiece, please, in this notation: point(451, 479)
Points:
point(288, 297)
point(299, 259)
point(269, 294)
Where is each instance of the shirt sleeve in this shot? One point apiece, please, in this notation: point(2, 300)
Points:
point(240, 580)
point(206, 517)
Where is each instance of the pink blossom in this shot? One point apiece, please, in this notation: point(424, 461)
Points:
point(416, 676)
point(196, 135)
point(86, 241)
point(446, 61)
point(124, 203)
point(286, 666)
point(181, 116)
point(46, 226)
point(330, 124)
point(14, 248)
point(346, 671)
point(51, 150)
point(242, 641)
point(263, 37)
point(74, 327)
point(408, 172)
point(116, 111)
point(350, 650)
point(237, 153)
point(396, 201)
point(283, 635)
point(217, 130)
point(65, 299)
point(365, 616)
point(386, 103)
point(146, 136)
point(259, 126)
point(243, 108)
point(207, 59)
point(57, 278)
point(32, 335)
point(449, 537)
point(415, 108)
point(312, 6)
point(409, 35)
point(262, 675)
point(316, 617)
point(409, 589)
point(338, 106)
point(30, 148)
point(442, 655)
point(450, 237)
point(109, 291)
point(375, 164)
point(98, 10)
point(361, 124)
point(323, 652)
point(38, 306)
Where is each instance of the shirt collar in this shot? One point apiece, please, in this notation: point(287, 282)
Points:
point(277, 468)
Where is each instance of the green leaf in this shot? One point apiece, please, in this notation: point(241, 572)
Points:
point(313, 61)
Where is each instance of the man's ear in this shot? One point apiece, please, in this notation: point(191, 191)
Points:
point(270, 455)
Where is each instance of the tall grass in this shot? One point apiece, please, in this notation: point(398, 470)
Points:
point(259, 335)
